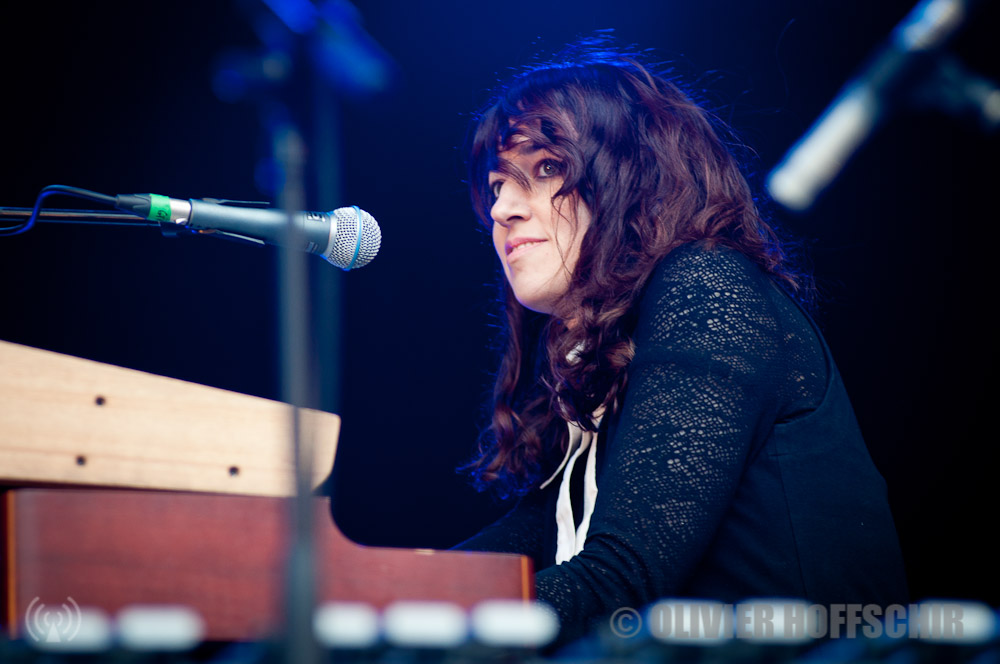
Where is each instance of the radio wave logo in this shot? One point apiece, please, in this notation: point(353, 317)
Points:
point(52, 625)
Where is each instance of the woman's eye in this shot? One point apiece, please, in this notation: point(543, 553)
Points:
point(495, 188)
point(548, 169)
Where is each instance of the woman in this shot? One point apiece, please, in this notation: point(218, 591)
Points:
point(669, 417)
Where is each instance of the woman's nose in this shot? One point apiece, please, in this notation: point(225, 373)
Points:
point(511, 205)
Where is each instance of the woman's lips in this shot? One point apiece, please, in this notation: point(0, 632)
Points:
point(520, 246)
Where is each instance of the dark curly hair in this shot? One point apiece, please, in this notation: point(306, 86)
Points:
point(651, 167)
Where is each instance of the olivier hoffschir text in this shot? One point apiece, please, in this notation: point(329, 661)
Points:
point(799, 621)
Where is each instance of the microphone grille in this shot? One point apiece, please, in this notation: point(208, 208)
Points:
point(358, 238)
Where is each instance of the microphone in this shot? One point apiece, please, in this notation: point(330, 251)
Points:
point(818, 157)
point(347, 237)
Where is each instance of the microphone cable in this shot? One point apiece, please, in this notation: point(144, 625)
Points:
point(52, 190)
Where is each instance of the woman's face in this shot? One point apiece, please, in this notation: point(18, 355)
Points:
point(537, 239)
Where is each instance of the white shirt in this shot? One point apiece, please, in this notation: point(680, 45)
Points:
point(570, 539)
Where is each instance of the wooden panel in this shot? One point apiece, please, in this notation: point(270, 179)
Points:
point(7, 608)
point(66, 420)
point(222, 555)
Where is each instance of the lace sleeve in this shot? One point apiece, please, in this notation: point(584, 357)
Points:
point(521, 530)
point(700, 395)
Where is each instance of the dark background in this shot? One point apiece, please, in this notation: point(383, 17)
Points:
point(119, 99)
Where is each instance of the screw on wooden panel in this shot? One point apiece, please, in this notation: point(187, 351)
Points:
point(234, 471)
point(81, 460)
point(99, 400)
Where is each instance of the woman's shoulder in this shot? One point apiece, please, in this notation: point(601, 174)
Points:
point(698, 265)
point(696, 275)
point(710, 297)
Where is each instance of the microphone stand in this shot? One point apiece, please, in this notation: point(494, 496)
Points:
point(94, 217)
point(289, 152)
point(288, 148)
point(343, 58)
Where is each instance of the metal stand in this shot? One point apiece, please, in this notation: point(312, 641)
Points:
point(295, 378)
point(337, 49)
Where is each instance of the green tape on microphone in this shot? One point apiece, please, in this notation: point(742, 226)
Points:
point(159, 208)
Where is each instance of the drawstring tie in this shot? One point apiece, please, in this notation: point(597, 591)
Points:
point(569, 537)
